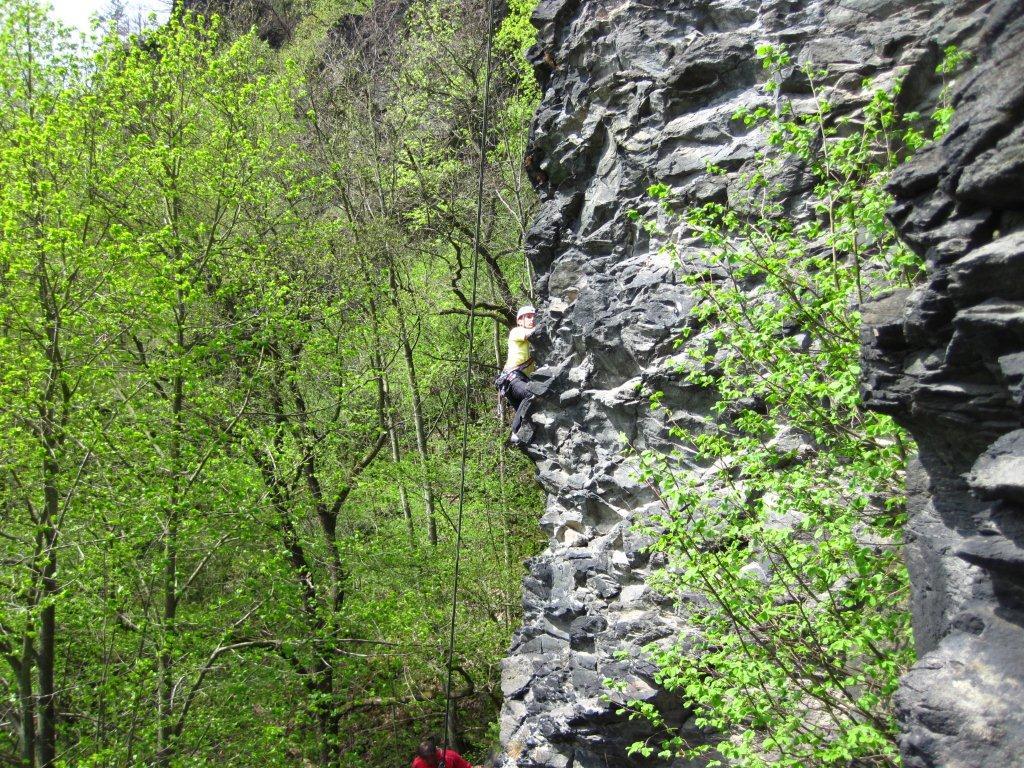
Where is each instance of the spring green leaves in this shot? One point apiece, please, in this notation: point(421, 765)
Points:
point(784, 513)
point(218, 329)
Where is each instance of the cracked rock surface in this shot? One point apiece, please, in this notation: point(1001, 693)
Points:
point(948, 361)
point(638, 92)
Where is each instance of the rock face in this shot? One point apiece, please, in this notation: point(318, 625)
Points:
point(638, 92)
point(948, 362)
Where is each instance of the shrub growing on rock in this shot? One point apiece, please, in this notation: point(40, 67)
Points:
point(782, 518)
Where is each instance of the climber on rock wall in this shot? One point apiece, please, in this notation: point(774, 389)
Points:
point(428, 755)
point(513, 381)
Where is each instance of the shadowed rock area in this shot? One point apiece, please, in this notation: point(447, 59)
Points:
point(643, 92)
point(948, 362)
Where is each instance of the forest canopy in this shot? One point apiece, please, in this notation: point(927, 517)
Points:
point(234, 284)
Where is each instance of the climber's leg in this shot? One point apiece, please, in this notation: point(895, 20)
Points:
point(521, 411)
point(519, 395)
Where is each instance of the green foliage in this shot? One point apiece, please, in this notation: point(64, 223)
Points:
point(229, 289)
point(514, 37)
point(784, 514)
point(953, 60)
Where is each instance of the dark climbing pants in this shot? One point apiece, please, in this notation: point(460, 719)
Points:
point(519, 395)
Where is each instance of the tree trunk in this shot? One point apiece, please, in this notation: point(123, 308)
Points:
point(453, 728)
point(50, 433)
point(386, 413)
point(27, 699)
point(417, 411)
point(421, 437)
point(396, 457)
point(165, 719)
point(47, 742)
point(165, 662)
point(47, 642)
point(328, 723)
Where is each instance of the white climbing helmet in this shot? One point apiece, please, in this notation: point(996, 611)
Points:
point(526, 309)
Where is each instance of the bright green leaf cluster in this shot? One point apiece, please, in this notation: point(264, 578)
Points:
point(785, 512)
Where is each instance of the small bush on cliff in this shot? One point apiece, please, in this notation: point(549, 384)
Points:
point(784, 515)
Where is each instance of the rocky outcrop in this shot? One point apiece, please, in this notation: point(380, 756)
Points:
point(276, 25)
point(639, 92)
point(368, 32)
point(948, 362)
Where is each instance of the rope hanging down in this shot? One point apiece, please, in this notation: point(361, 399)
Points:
point(469, 367)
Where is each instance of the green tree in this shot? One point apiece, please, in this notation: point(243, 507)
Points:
point(229, 217)
point(61, 256)
point(219, 306)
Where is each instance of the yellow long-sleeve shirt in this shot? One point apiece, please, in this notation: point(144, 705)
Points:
point(519, 350)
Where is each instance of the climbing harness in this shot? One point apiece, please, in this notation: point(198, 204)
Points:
point(503, 379)
point(469, 371)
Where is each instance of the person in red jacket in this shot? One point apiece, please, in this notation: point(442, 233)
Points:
point(429, 756)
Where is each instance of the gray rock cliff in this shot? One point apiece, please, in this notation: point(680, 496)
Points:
point(948, 362)
point(637, 92)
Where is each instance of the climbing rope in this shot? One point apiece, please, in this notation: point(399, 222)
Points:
point(469, 369)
